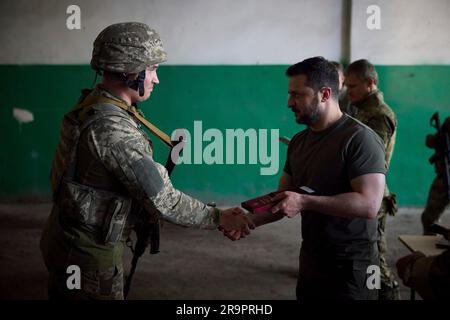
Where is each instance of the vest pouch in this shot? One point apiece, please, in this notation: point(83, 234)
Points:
point(75, 201)
point(108, 211)
point(115, 220)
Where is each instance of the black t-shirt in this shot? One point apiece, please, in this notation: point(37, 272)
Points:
point(326, 162)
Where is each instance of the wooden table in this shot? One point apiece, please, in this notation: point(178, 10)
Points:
point(424, 244)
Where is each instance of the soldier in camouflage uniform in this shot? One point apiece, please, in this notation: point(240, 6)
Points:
point(438, 198)
point(369, 108)
point(104, 178)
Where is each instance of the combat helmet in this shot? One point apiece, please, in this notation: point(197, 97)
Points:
point(126, 48)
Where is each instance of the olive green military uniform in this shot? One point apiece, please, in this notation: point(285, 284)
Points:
point(438, 195)
point(377, 115)
point(104, 179)
point(114, 159)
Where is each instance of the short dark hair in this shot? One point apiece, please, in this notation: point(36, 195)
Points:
point(363, 69)
point(319, 73)
point(338, 66)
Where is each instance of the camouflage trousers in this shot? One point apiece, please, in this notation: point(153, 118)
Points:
point(436, 203)
point(106, 284)
point(389, 286)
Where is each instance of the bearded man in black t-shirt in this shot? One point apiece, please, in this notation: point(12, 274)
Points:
point(342, 161)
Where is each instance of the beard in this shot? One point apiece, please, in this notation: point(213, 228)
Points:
point(311, 113)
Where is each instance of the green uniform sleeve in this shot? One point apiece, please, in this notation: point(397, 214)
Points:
point(382, 126)
point(125, 151)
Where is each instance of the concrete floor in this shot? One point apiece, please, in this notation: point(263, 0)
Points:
point(193, 264)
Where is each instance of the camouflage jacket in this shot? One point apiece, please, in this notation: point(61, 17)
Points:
point(114, 154)
point(377, 115)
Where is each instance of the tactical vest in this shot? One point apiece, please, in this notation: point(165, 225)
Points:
point(106, 211)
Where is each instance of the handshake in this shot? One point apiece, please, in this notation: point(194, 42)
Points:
point(235, 223)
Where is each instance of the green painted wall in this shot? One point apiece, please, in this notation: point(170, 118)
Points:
point(222, 97)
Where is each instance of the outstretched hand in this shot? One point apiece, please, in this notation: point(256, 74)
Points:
point(235, 224)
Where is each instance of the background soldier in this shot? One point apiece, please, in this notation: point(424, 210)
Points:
point(369, 106)
point(342, 160)
point(104, 178)
point(438, 196)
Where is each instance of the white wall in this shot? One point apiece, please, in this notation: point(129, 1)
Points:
point(412, 32)
point(193, 31)
point(231, 31)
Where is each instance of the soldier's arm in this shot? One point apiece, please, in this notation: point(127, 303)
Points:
point(429, 276)
point(128, 155)
point(181, 208)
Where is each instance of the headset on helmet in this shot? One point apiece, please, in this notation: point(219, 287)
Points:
point(126, 48)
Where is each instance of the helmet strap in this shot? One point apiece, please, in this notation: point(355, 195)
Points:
point(138, 83)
